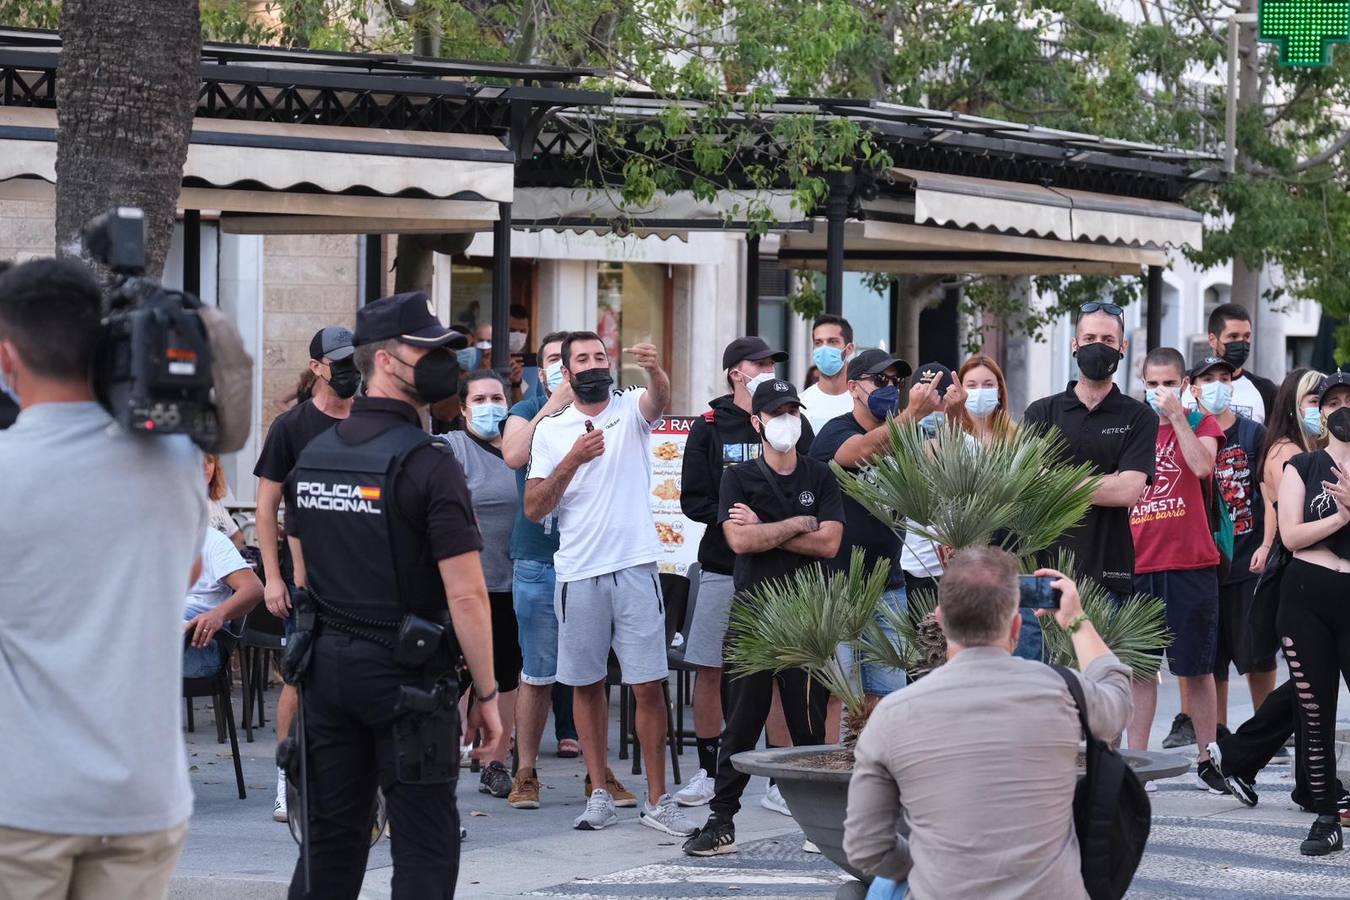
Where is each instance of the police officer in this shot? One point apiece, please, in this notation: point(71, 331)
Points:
point(388, 545)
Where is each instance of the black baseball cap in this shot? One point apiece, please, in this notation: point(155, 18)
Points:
point(751, 348)
point(773, 394)
point(1209, 364)
point(874, 362)
point(410, 318)
point(937, 374)
point(332, 341)
point(1334, 380)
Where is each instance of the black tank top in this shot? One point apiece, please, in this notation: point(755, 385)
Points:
point(1315, 468)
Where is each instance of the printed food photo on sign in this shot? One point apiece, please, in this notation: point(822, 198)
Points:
point(679, 536)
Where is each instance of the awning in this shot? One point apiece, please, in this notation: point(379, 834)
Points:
point(899, 248)
point(665, 215)
point(342, 179)
point(1069, 215)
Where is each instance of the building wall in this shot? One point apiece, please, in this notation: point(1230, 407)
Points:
point(27, 229)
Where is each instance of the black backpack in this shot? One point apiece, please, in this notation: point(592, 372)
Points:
point(1111, 812)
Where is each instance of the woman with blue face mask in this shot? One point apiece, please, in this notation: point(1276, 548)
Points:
point(1295, 426)
point(495, 505)
point(985, 415)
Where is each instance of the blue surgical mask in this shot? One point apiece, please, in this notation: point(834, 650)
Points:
point(1151, 397)
point(829, 360)
point(1215, 396)
point(553, 374)
point(932, 422)
point(469, 358)
point(1312, 422)
point(981, 402)
point(884, 402)
point(486, 419)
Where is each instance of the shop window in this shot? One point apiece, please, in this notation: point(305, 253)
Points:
point(633, 307)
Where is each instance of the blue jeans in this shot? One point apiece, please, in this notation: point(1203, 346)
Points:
point(881, 680)
point(885, 889)
point(1031, 645)
point(532, 589)
point(201, 662)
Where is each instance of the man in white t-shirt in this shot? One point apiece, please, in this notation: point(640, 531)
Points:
point(1230, 339)
point(828, 398)
point(226, 590)
point(590, 461)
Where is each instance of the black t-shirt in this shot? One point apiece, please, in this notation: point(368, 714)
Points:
point(1265, 387)
point(1119, 435)
point(430, 493)
point(861, 529)
point(1235, 468)
point(290, 433)
point(1319, 503)
point(810, 490)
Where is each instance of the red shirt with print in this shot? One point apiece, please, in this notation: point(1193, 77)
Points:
point(1170, 523)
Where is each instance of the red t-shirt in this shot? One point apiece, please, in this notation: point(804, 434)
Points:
point(1170, 523)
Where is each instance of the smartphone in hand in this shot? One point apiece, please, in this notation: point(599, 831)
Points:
point(1036, 592)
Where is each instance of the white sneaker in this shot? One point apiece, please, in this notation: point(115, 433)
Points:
point(599, 812)
point(808, 847)
point(773, 799)
point(1151, 787)
point(279, 813)
point(666, 816)
point(698, 792)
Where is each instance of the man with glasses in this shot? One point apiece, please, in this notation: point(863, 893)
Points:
point(1113, 433)
point(876, 381)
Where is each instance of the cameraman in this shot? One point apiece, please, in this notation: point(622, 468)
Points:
point(91, 600)
point(1001, 824)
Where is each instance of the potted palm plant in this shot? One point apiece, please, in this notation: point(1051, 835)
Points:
point(1013, 493)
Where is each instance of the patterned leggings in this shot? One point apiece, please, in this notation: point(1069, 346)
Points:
point(1314, 628)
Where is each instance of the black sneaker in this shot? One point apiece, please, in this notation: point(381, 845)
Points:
point(1324, 838)
point(1182, 733)
point(1241, 788)
point(495, 780)
point(713, 839)
point(1207, 778)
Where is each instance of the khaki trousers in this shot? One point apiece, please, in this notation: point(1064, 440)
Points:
point(35, 865)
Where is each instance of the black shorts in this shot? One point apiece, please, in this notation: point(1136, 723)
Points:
point(1235, 638)
point(506, 658)
point(1191, 599)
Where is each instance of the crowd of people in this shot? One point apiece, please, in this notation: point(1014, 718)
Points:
point(518, 541)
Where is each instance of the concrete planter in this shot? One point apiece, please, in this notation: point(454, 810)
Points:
point(818, 796)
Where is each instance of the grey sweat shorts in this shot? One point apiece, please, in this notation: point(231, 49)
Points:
point(712, 611)
point(623, 610)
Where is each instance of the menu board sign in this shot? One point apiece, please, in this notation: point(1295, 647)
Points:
point(679, 535)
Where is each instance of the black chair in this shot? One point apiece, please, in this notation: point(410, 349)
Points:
point(218, 688)
point(675, 594)
point(683, 670)
point(263, 640)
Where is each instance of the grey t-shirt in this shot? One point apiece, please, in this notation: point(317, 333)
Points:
point(495, 503)
point(100, 532)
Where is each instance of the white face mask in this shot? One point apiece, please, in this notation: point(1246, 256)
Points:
point(757, 381)
point(515, 341)
point(782, 432)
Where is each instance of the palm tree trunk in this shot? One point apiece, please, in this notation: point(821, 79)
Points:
point(126, 91)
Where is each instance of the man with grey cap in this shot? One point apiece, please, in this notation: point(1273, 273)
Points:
point(394, 594)
point(780, 512)
point(335, 383)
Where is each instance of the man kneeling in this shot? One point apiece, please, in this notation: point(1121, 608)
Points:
point(982, 752)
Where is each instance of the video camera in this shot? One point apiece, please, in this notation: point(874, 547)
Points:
point(153, 370)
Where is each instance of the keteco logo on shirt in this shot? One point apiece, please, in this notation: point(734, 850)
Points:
point(337, 497)
point(1123, 429)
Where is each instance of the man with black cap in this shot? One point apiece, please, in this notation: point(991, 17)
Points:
point(335, 383)
point(722, 437)
point(780, 512)
point(394, 593)
point(876, 380)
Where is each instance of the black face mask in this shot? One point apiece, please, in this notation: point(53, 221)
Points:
point(435, 377)
point(343, 378)
point(592, 385)
point(1235, 353)
point(1097, 362)
point(1338, 423)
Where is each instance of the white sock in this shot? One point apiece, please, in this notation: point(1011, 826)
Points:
point(281, 784)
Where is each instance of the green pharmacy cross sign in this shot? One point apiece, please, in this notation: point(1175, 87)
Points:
point(1304, 29)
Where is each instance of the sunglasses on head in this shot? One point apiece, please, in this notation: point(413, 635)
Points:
point(1110, 309)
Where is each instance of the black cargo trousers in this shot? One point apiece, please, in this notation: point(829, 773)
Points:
point(350, 694)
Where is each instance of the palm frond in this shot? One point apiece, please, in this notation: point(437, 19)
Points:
point(800, 620)
point(1013, 492)
point(1136, 630)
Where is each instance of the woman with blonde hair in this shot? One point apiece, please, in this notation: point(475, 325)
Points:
point(1295, 427)
point(216, 491)
point(985, 414)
